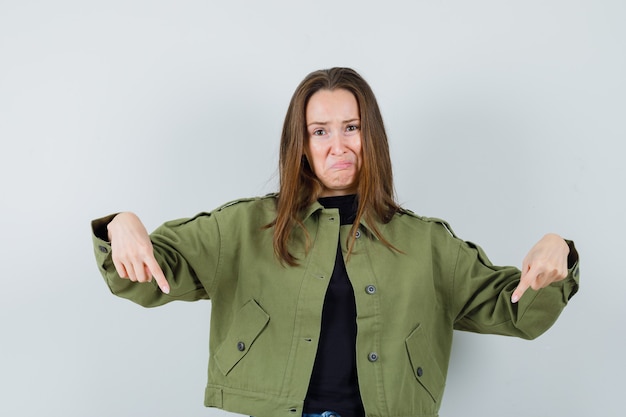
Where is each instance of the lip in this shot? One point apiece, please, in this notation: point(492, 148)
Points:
point(342, 165)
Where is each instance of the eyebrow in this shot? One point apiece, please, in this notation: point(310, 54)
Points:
point(325, 123)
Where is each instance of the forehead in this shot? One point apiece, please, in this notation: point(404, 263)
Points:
point(328, 105)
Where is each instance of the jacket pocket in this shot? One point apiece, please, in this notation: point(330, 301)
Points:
point(247, 325)
point(423, 364)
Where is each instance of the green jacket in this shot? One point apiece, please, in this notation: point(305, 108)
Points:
point(265, 317)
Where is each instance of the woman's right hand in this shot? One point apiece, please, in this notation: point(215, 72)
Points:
point(132, 251)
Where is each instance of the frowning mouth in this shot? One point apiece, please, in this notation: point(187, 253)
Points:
point(342, 165)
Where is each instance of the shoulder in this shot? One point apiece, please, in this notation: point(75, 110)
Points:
point(232, 211)
point(407, 217)
point(267, 201)
point(415, 234)
point(244, 203)
point(256, 209)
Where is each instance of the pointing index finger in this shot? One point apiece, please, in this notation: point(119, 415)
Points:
point(524, 283)
point(158, 275)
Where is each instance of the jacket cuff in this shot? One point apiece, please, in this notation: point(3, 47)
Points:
point(101, 244)
point(571, 282)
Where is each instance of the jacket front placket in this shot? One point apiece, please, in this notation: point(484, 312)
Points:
point(323, 227)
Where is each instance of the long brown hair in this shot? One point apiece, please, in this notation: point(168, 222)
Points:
point(299, 186)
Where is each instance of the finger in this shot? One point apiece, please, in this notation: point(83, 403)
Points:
point(139, 271)
point(131, 273)
point(524, 283)
point(155, 271)
point(147, 272)
point(119, 267)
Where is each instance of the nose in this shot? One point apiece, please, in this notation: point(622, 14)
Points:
point(337, 145)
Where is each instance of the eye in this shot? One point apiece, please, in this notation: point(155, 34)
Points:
point(352, 128)
point(319, 132)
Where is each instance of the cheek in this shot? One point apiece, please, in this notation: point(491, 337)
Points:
point(358, 151)
point(315, 157)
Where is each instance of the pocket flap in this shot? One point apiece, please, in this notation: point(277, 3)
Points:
point(425, 368)
point(248, 323)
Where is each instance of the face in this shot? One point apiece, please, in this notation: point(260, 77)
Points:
point(334, 133)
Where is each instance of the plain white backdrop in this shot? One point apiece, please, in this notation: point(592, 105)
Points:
point(507, 118)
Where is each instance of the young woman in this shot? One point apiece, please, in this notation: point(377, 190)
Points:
point(328, 298)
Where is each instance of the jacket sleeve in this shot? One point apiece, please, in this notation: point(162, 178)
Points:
point(187, 251)
point(482, 296)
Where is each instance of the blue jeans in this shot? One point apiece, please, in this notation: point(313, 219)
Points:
point(324, 414)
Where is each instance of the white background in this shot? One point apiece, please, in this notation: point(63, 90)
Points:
point(506, 118)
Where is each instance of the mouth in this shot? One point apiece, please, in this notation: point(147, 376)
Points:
point(342, 165)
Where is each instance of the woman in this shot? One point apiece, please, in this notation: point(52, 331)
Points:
point(328, 297)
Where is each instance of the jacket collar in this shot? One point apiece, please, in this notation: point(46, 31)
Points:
point(316, 207)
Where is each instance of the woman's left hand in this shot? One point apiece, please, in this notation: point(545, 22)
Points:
point(545, 263)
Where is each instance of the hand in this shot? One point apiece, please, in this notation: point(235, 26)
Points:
point(132, 251)
point(545, 263)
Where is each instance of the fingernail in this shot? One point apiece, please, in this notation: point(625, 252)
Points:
point(514, 298)
point(166, 290)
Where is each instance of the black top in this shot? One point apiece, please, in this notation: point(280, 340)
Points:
point(334, 384)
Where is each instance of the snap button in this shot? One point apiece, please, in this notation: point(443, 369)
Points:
point(370, 289)
point(357, 234)
point(372, 357)
point(419, 371)
point(103, 249)
point(241, 346)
